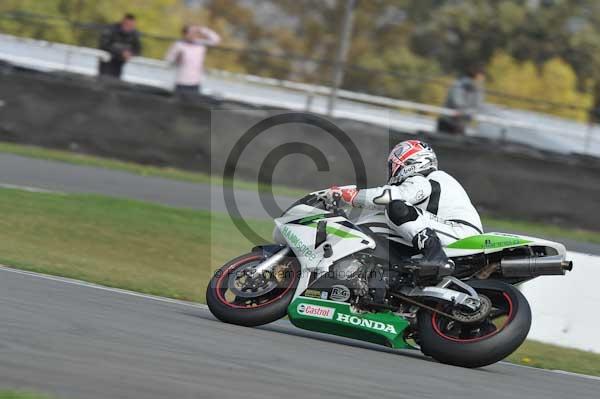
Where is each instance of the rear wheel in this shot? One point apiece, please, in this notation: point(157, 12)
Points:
point(469, 343)
point(235, 297)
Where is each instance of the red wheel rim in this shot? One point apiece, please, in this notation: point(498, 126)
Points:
point(436, 327)
point(219, 289)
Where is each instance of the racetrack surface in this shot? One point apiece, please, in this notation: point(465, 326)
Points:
point(76, 341)
point(69, 178)
point(58, 176)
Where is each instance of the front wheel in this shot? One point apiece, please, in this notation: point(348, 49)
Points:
point(233, 296)
point(479, 344)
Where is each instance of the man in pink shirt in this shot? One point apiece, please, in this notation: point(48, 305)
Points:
point(188, 57)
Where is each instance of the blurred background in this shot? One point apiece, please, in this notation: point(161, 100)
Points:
point(539, 58)
point(539, 55)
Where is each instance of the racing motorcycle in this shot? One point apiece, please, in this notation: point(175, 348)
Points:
point(353, 277)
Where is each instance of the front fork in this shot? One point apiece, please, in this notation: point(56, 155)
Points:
point(268, 264)
point(275, 255)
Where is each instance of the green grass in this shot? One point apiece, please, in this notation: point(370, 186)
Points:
point(138, 169)
point(120, 243)
point(551, 357)
point(157, 250)
point(21, 395)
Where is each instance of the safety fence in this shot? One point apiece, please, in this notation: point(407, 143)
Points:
point(534, 129)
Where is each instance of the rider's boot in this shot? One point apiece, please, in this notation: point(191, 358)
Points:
point(434, 261)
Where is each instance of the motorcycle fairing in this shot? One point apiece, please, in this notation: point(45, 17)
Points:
point(301, 235)
point(339, 318)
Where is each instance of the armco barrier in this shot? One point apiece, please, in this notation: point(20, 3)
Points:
point(564, 308)
point(147, 125)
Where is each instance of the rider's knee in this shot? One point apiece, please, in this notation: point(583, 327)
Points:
point(399, 212)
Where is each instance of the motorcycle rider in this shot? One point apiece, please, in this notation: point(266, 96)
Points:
point(423, 205)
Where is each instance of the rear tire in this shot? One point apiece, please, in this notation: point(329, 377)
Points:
point(271, 309)
point(478, 351)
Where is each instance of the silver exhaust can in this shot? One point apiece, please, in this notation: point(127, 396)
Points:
point(535, 266)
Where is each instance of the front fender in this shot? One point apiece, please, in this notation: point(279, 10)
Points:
point(268, 249)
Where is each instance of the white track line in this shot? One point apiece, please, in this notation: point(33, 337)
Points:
point(589, 377)
point(28, 188)
point(204, 307)
point(102, 287)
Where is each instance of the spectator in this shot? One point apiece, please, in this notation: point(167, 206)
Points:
point(594, 113)
point(188, 55)
point(122, 41)
point(466, 96)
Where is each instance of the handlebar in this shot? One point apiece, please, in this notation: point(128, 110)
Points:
point(321, 199)
point(332, 202)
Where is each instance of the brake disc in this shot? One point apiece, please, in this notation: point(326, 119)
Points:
point(244, 286)
point(469, 317)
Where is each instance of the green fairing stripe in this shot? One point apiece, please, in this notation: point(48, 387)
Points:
point(488, 241)
point(335, 232)
point(309, 219)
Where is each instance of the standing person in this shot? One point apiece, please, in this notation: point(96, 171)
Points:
point(466, 96)
point(188, 56)
point(122, 41)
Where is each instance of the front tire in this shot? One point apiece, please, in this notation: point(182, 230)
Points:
point(468, 345)
point(254, 308)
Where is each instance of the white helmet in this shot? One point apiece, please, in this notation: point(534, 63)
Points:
point(409, 158)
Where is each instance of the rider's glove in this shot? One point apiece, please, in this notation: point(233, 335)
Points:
point(346, 194)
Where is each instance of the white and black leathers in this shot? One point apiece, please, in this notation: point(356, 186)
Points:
point(436, 201)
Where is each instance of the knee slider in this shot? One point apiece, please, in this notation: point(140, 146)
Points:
point(399, 212)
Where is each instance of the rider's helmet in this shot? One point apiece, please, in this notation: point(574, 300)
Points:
point(409, 158)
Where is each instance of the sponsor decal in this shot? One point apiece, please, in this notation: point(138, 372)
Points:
point(500, 244)
point(409, 170)
point(419, 196)
point(340, 293)
point(312, 293)
point(324, 294)
point(300, 248)
point(320, 312)
point(370, 324)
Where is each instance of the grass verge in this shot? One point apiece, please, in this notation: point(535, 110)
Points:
point(551, 357)
point(157, 250)
point(120, 243)
point(21, 395)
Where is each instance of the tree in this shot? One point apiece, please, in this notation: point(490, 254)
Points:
point(554, 82)
point(400, 48)
point(465, 33)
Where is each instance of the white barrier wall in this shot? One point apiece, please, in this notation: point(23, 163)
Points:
point(566, 309)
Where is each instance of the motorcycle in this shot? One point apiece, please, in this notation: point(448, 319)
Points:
point(357, 279)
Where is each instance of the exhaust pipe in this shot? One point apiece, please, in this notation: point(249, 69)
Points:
point(535, 266)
